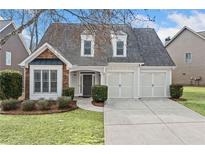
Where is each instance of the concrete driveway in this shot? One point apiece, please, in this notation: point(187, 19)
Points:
point(152, 121)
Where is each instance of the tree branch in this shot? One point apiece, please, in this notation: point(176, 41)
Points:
point(22, 27)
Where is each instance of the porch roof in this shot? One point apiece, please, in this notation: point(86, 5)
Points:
point(41, 61)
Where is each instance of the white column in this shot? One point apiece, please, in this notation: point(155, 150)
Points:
point(138, 81)
point(102, 78)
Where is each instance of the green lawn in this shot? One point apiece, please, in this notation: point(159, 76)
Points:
point(194, 99)
point(75, 127)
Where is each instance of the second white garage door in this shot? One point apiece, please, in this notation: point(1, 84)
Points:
point(153, 84)
point(120, 84)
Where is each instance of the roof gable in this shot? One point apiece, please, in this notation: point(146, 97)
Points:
point(181, 31)
point(39, 52)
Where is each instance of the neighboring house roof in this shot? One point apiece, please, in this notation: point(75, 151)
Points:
point(202, 33)
point(143, 46)
point(6, 23)
point(199, 34)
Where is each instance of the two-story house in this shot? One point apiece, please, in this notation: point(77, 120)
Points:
point(187, 49)
point(14, 50)
point(132, 62)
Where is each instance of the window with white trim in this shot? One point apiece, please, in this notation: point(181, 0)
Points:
point(120, 48)
point(119, 44)
point(87, 45)
point(45, 81)
point(53, 81)
point(188, 57)
point(8, 58)
point(37, 80)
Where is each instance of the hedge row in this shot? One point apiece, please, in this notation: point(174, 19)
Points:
point(10, 84)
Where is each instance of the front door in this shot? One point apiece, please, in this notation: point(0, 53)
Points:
point(87, 84)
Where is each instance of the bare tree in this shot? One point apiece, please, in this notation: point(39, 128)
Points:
point(36, 21)
point(21, 28)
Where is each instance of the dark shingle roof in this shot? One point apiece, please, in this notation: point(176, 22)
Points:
point(40, 61)
point(143, 46)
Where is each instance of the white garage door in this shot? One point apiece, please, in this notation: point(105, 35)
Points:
point(153, 84)
point(120, 84)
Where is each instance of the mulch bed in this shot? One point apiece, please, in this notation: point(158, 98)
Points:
point(54, 109)
point(180, 99)
point(98, 104)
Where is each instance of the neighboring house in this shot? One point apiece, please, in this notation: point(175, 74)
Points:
point(187, 49)
point(133, 63)
point(14, 50)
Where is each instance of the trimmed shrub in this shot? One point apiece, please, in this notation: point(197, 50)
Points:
point(43, 104)
point(176, 91)
point(63, 102)
point(69, 92)
point(9, 104)
point(28, 105)
point(99, 93)
point(11, 83)
point(2, 95)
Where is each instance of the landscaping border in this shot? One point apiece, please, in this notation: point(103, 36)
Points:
point(37, 112)
point(98, 104)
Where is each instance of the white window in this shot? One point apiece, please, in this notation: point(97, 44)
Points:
point(87, 45)
point(119, 44)
point(8, 58)
point(45, 81)
point(37, 81)
point(120, 48)
point(53, 81)
point(188, 57)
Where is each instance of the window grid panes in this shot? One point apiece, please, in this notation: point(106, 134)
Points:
point(45, 81)
point(120, 48)
point(53, 81)
point(45, 77)
point(87, 47)
point(37, 81)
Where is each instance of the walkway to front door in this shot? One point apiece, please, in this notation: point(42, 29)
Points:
point(153, 121)
point(85, 103)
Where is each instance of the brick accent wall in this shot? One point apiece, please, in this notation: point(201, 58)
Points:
point(26, 86)
point(65, 77)
point(46, 55)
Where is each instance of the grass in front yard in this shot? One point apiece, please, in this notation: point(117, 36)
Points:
point(194, 98)
point(75, 127)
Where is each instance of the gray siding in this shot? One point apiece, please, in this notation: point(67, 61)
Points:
point(17, 49)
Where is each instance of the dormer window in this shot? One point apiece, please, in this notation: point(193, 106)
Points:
point(87, 45)
point(119, 44)
point(120, 48)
